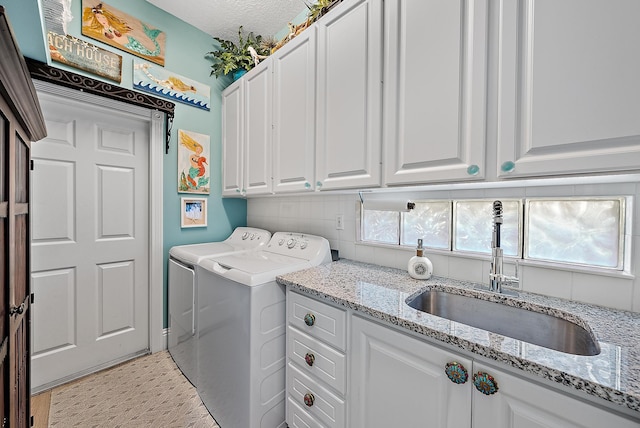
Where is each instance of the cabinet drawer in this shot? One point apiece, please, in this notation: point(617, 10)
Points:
point(327, 364)
point(327, 407)
point(297, 417)
point(328, 322)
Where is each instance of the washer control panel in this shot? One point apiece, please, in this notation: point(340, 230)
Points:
point(298, 245)
point(249, 236)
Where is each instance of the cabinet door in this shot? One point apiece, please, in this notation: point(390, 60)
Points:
point(19, 285)
point(232, 138)
point(400, 381)
point(435, 90)
point(258, 129)
point(294, 114)
point(349, 95)
point(569, 93)
point(519, 403)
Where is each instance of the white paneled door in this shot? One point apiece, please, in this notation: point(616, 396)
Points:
point(90, 240)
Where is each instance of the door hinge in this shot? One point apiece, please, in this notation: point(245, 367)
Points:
point(4, 422)
point(31, 164)
point(31, 419)
point(33, 298)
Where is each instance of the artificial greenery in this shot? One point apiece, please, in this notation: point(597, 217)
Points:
point(231, 57)
point(319, 8)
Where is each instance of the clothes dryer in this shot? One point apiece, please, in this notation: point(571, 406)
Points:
point(183, 292)
point(242, 319)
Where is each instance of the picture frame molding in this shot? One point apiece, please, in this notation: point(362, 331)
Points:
point(185, 221)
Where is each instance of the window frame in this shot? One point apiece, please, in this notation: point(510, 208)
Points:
point(622, 261)
point(624, 239)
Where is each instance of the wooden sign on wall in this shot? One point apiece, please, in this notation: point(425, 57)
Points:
point(109, 25)
point(83, 55)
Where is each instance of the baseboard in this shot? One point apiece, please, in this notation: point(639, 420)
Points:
point(87, 372)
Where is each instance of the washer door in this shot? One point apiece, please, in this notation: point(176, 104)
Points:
point(182, 321)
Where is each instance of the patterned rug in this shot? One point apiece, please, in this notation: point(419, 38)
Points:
point(149, 391)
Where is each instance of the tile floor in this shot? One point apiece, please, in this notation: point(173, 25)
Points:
point(149, 391)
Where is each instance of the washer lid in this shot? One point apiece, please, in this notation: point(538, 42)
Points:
point(242, 239)
point(285, 253)
point(253, 268)
point(195, 252)
point(255, 262)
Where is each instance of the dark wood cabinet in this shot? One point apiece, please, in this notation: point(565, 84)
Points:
point(21, 122)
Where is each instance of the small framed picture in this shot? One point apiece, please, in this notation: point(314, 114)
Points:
point(193, 212)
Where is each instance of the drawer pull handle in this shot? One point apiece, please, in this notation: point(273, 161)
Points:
point(309, 358)
point(456, 372)
point(309, 319)
point(485, 383)
point(309, 399)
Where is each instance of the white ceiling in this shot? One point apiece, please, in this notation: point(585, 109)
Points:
point(221, 18)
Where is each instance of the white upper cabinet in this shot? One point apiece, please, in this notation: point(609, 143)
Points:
point(554, 85)
point(294, 114)
point(568, 87)
point(349, 89)
point(247, 134)
point(258, 132)
point(232, 139)
point(435, 66)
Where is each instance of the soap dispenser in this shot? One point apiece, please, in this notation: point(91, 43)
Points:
point(419, 266)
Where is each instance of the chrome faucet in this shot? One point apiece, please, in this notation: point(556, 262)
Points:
point(496, 276)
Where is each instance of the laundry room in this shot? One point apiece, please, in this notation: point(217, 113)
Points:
point(328, 213)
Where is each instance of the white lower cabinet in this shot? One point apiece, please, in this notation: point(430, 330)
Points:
point(316, 363)
point(400, 381)
point(322, 404)
point(329, 365)
point(519, 403)
point(381, 377)
point(299, 418)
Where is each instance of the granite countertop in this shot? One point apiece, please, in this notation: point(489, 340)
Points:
point(613, 375)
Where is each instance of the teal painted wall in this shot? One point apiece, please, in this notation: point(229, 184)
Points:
point(185, 55)
point(27, 25)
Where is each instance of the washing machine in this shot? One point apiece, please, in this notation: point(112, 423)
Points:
point(183, 292)
point(242, 320)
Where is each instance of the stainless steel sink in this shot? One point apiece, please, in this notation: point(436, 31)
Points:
point(518, 323)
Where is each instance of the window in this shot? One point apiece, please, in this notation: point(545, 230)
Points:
point(474, 226)
point(380, 226)
point(430, 221)
point(587, 232)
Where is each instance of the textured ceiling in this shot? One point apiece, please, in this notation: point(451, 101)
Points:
point(221, 18)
